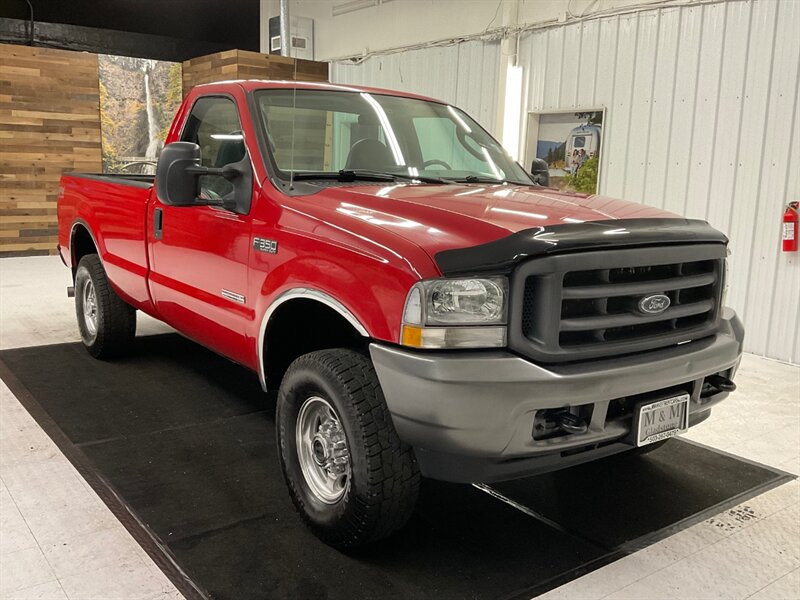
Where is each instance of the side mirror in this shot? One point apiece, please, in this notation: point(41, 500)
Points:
point(540, 172)
point(178, 176)
point(176, 181)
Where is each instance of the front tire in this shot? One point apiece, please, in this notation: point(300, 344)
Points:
point(349, 475)
point(106, 323)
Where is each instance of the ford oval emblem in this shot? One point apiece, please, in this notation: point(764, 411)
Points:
point(655, 304)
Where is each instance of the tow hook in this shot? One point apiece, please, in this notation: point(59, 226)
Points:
point(723, 384)
point(572, 423)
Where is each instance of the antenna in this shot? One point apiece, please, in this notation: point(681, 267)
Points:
point(294, 97)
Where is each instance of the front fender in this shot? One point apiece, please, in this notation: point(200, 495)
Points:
point(367, 291)
point(374, 297)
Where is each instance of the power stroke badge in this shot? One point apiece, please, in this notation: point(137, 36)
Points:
point(265, 245)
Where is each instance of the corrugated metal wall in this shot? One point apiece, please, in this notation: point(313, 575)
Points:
point(701, 119)
point(465, 75)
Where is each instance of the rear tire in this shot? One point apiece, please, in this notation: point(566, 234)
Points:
point(106, 323)
point(349, 475)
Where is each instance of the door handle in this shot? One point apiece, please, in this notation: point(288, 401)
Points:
point(158, 223)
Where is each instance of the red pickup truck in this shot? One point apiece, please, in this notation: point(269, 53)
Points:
point(422, 306)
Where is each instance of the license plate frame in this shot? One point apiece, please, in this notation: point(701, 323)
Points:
point(664, 422)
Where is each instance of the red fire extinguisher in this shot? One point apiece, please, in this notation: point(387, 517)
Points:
point(790, 227)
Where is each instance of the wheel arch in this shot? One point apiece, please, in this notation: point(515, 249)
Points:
point(81, 242)
point(323, 305)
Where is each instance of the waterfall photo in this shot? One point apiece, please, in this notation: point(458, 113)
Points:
point(138, 98)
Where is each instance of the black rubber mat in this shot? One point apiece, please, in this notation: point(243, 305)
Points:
point(180, 444)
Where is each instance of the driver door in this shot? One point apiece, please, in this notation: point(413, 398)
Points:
point(199, 254)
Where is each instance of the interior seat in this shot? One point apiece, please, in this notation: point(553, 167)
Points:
point(369, 154)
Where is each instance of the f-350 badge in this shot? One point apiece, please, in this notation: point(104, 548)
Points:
point(265, 245)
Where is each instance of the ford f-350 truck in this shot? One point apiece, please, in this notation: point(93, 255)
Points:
point(422, 307)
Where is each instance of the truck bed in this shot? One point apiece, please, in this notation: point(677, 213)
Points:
point(115, 204)
point(132, 179)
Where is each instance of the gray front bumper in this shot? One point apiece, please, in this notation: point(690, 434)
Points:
point(477, 408)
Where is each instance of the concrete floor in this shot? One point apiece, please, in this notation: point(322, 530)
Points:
point(58, 540)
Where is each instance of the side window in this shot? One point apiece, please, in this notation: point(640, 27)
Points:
point(214, 125)
point(437, 138)
point(442, 149)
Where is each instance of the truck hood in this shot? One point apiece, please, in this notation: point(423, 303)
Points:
point(444, 217)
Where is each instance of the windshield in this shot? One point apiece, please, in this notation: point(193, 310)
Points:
point(358, 131)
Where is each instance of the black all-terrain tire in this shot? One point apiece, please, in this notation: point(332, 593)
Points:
point(114, 322)
point(381, 491)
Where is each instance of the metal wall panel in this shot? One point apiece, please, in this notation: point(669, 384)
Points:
point(465, 75)
point(702, 119)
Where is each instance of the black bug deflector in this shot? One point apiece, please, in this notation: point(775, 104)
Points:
point(502, 255)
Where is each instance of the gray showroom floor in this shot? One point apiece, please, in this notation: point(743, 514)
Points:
point(58, 540)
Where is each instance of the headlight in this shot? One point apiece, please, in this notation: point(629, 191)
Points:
point(456, 313)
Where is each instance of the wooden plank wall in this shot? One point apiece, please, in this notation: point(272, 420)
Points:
point(241, 64)
point(49, 123)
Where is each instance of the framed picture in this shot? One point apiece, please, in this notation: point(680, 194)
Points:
point(138, 98)
point(570, 143)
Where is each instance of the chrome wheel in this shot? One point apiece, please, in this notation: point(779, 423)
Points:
point(322, 450)
point(89, 301)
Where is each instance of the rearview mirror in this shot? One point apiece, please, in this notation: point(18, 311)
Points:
point(540, 172)
point(176, 179)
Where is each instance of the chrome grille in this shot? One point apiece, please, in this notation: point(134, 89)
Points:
point(587, 305)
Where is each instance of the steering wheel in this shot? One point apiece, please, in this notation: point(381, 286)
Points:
point(441, 163)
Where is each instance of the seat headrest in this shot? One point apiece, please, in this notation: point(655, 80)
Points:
point(369, 154)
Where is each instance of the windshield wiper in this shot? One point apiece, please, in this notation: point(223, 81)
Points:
point(422, 178)
point(477, 179)
point(346, 175)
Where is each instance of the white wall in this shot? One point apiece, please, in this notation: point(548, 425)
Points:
point(702, 120)
point(396, 23)
point(465, 75)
